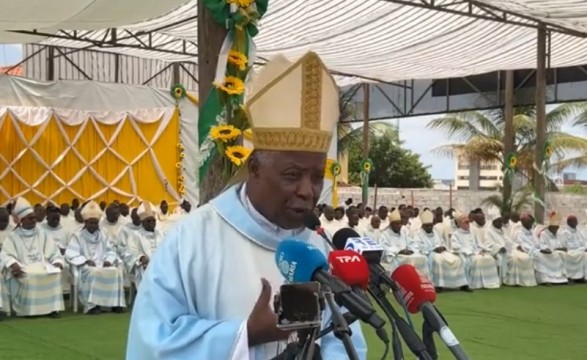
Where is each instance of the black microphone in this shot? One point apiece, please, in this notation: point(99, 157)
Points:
point(312, 222)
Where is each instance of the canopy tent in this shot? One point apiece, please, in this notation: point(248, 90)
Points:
point(373, 40)
point(51, 17)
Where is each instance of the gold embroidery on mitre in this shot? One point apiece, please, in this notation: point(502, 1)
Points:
point(311, 93)
point(288, 139)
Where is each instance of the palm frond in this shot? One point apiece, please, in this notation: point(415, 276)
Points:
point(579, 161)
point(347, 136)
point(466, 125)
point(563, 113)
point(493, 200)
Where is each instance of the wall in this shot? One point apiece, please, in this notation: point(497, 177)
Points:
point(463, 200)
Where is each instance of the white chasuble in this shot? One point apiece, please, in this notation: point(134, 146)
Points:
point(202, 283)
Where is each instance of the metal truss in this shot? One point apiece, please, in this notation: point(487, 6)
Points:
point(116, 38)
point(482, 11)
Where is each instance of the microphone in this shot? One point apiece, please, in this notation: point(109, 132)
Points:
point(349, 267)
point(299, 261)
point(312, 222)
point(347, 238)
point(419, 294)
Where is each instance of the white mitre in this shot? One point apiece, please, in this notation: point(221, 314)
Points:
point(22, 208)
point(91, 211)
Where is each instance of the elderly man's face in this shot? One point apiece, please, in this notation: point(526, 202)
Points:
point(480, 219)
point(53, 219)
point(375, 222)
point(428, 228)
point(396, 226)
point(149, 223)
point(40, 213)
point(497, 223)
point(527, 222)
point(112, 213)
point(353, 219)
point(29, 222)
point(464, 223)
point(382, 213)
point(92, 225)
point(294, 180)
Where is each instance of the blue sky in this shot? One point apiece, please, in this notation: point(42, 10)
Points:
point(413, 131)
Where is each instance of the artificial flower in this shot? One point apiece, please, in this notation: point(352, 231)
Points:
point(238, 59)
point(241, 3)
point(178, 165)
point(181, 155)
point(232, 86)
point(224, 133)
point(237, 154)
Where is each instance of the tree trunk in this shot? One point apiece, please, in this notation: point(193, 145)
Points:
point(210, 38)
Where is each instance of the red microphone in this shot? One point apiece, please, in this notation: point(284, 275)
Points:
point(419, 294)
point(415, 287)
point(350, 267)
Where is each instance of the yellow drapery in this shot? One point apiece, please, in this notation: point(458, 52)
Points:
point(127, 166)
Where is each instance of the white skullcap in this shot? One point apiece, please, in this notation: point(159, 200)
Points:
point(22, 208)
point(145, 210)
point(395, 216)
point(91, 211)
point(427, 217)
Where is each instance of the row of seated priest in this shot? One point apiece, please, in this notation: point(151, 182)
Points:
point(475, 251)
point(97, 253)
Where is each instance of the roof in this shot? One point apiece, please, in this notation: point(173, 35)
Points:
point(12, 70)
point(379, 40)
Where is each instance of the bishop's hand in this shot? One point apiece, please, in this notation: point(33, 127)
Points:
point(262, 322)
point(16, 270)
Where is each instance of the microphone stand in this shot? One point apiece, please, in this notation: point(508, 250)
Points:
point(341, 328)
point(410, 337)
point(428, 338)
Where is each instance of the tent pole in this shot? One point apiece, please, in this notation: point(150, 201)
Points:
point(509, 135)
point(539, 179)
point(365, 192)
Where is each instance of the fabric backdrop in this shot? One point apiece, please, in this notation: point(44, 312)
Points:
point(83, 139)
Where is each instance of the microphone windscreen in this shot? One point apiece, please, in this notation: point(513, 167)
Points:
point(311, 221)
point(297, 260)
point(340, 237)
point(349, 267)
point(416, 288)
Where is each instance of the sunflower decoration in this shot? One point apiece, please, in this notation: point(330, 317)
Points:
point(232, 86)
point(182, 189)
point(241, 3)
point(182, 178)
point(181, 155)
point(511, 161)
point(180, 146)
point(178, 165)
point(224, 133)
point(548, 151)
point(238, 59)
point(178, 91)
point(335, 169)
point(237, 154)
point(366, 166)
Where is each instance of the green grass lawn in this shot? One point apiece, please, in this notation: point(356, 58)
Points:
point(510, 323)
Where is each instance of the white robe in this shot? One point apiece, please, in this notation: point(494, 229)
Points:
point(447, 269)
point(4, 234)
point(393, 243)
point(111, 230)
point(61, 235)
point(516, 267)
point(481, 266)
point(375, 234)
point(204, 280)
point(331, 226)
point(141, 243)
point(39, 292)
point(575, 257)
point(97, 285)
point(548, 268)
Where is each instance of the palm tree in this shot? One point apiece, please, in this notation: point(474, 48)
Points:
point(515, 204)
point(349, 136)
point(481, 134)
point(578, 159)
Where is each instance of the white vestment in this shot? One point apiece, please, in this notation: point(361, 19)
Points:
point(393, 243)
point(111, 230)
point(331, 226)
point(575, 258)
point(447, 269)
point(549, 268)
point(3, 235)
point(141, 243)
point(61, 235)
point(203, 281)
point(97, 285)
point(516, 267)
point(39, 291)
point(375, 234)
point(481, 267)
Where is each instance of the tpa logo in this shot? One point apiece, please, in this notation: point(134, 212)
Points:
point(348, 259)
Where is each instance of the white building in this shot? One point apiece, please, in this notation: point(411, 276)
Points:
point(477, 176)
